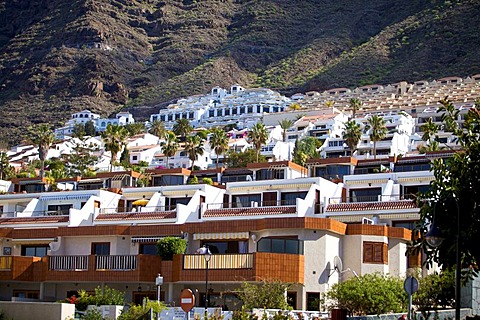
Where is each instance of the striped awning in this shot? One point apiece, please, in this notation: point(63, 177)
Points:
point(220, 235)
point(66, 197)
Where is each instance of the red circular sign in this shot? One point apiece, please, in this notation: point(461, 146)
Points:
point(187, 300)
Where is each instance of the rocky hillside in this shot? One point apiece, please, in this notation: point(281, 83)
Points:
point(61, 56)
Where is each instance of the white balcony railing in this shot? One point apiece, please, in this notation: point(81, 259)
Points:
point(68, 263)
point(124, 262)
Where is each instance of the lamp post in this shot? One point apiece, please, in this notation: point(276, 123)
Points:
point(158, 282)
point(434, 239)
point(206, 255)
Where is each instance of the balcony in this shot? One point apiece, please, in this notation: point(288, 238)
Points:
point(109, 267)
point(240, 267)
point(140, 268)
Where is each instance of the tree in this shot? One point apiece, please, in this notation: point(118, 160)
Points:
point(78, 130)
point(372, 293)
point(378, 131)
point(285, 124)
point(41, 136)
point(266, 295)
point(352, 133)
point(170, 145)
point(182, 128)
point(6, 170)
point(135, 128)
point(305, 149)
point(82, 159)
point(219, 142)
point(114, 139)
point(240, 159)
point(258, 136)
point(355, 104)
point(194, 147)
point(453, 201)
point(157, 128)
point(90, 129)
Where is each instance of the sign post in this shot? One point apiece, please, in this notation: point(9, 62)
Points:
point(187, 301)
point(411, 286)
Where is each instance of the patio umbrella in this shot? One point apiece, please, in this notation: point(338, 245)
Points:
point(140, 202)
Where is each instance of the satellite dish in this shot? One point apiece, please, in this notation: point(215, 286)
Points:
point(337, 264)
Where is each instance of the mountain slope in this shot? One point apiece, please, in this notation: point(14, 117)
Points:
point(59, 56)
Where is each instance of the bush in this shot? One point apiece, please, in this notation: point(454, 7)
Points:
point(269, 294)
point(107, 296)
point(435, 291)
point(169, 246)
point(368, 294)
point(208, 181)
point(137, 311)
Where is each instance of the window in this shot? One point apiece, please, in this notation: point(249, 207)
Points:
point(267, 174)
point(134, 158)
point(59, 209)
point(35, 251)
point(26, 294)
point(375, 252)
point(290, 198)
point(101, 248)
point(167, 180)
point(313, 301)
point(223, 247)
point(148, 248)
point(365, 195)
point(245, 201)
point(280, 245)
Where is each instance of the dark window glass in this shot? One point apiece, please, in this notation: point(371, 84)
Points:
point(148, 248)
point(291, 197)
point(101, 249)
point(365, 195)
point(278, 245)
point(242, 201)
point(291, 246)
point(34, 251)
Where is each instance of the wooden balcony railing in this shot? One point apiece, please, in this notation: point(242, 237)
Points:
point(219, 261)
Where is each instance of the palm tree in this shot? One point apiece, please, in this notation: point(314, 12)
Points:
point(219, 142)
point(157, 128)
point(378, 131)
point(194, 147)
point(114, 139)
point(355, 104)
point(170, 145)
point(285, 124)
point(41, 136)
point(135, 128)
point(182, 128)
point(352, 133)
point(258, 136)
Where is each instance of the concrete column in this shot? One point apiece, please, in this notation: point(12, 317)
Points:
point(42, 291)
point(170, 293)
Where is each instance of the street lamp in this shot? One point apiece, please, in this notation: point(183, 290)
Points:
point(158, 282)
point(434, 238)
point(207, 255)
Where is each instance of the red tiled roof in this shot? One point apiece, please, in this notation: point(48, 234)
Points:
point(253, 211)
point(365, 206)
point(26, 220)
point(137, 216)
